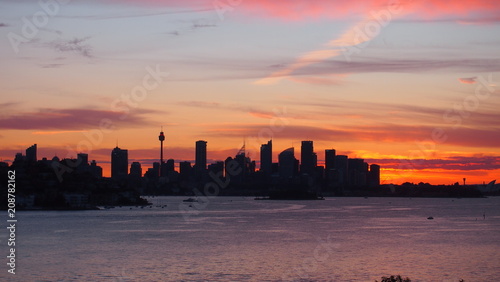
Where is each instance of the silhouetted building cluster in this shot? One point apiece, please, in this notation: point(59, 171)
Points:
point(339, 176)
point(71, 183)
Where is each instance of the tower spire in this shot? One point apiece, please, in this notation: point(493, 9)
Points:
point(161, 138)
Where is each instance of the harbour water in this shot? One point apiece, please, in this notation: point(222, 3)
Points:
point(241, 239)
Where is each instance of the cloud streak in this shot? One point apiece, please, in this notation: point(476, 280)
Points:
point(387, 133)
point(468, 80)
point(299, 10)
point(75, 45)
point(460, 163)
point(70, 119)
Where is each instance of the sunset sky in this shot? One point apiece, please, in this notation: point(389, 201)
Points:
point(410, 85)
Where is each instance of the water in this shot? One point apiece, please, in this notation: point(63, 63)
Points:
point(240, 239)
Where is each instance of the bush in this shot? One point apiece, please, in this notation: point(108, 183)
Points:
point(394, 279)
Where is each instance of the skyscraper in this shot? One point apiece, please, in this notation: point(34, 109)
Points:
point(307, 157)
point(329, 159)
point(287, 163)
point(342, 167)
point(266, 157)
point(358, 170)
point(83, 159)
point(374, 175)
point(201, 155)
point(95, 170)
point(31, 154)
point(119, 163)
point(136, 170)
point(184, 170)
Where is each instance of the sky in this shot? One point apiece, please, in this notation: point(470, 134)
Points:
point(410, 85)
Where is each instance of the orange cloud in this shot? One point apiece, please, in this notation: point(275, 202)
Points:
point(468, 80)
point(57, 132)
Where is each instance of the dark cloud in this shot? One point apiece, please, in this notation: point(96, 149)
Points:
point(373, 65)
point(75, 45)
point(138, 14)
point(8, 105)
point(51, 66)
point(71, 119)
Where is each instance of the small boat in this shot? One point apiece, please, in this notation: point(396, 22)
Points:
point(430, 217)
point(190, 200)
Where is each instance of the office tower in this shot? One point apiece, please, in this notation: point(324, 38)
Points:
point(342, 167)
point(95, 170)
point(136, 169)
point(358, 170)
point(217, 168)
point(170, 165)
point(374, 175)
point(83, 159)
point(31, 154)
point(201, 155)
point(287, 163)
point(185, 170)
point(119, 163)
point(156, 167)
point(329, 159)
point(230, 166)
point(307, 158)
point(266, 157)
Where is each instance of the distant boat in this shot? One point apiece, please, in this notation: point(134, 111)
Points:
point(190, 200)
point(294, 194)
point(430, 217)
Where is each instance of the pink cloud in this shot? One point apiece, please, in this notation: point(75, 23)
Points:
point(332, 9)
point(468, 80)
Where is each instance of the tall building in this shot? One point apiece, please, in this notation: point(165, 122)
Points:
point(217, 168)
point(329, 159)
point(342, 167)
point(201, 155)
point(358, 170)
point(266, 157)
point(156, 168)
point(83, 159)
point(184, 170)
point(308, 158)
point(95, 170)
point(287, 163)
point(119, 163)
point(170, 165)
point(31, 154)
point(374, 175)
point(136, 169)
